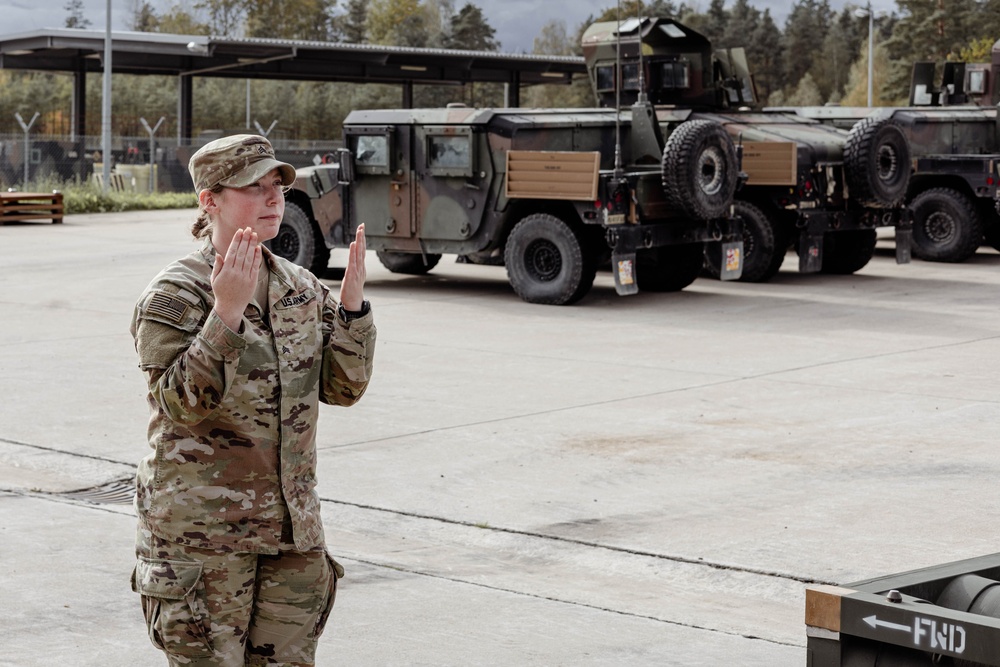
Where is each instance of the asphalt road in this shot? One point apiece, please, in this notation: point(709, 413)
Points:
point(647, 480)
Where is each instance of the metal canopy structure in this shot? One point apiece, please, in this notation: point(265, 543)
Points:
point(186, 56)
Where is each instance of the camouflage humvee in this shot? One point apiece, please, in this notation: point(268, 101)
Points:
point(538, 188)
point(821, 189)
point(953, 135)
point(657, 186)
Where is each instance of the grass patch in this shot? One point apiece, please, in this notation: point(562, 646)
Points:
point(88, 198)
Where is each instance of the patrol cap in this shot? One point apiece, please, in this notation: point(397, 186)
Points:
point(235, 162)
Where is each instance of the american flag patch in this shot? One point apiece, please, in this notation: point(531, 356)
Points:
point(167, 307)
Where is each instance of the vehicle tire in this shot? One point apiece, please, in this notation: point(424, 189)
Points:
point(763, 246)
point(877, 163)
point(847, 252)
point(947, 226)
point(668, 268)
point(547, 262)
point(298, 240)
point(700, 169)
point(409, 263)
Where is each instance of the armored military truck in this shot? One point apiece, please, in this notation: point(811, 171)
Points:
point(942, 615)
point(555, 193)
point(953, 134)
point(818, 188)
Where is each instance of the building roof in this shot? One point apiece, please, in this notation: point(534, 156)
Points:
point(72, 50)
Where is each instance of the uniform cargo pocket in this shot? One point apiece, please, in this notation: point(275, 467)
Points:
point(174, 612)
point(336, 572)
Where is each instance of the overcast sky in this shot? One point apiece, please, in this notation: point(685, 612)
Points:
point(517, 22)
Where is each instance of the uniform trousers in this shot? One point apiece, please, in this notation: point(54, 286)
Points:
point(214, 608)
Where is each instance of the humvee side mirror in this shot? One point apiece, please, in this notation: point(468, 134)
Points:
point(345, 166)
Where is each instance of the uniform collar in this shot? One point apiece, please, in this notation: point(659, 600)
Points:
point(276, 268)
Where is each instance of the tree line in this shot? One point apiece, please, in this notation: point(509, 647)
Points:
point(818, 56)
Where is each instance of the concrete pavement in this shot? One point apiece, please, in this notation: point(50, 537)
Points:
point(650, 480)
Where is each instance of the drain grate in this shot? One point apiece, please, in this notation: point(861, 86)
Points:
point(118, 492)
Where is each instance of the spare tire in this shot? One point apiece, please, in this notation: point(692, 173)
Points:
point(877, 163)
point(700, 169)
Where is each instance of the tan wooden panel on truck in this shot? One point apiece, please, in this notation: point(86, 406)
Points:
point(552, 175)
point(770, 162)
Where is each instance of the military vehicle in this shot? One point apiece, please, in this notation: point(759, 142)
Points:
point(648, 178)
point(818, 188)
point(941, 615)
point(556, 193)
point(953, 134)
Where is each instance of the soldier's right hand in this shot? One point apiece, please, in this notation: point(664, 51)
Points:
point(234, 277)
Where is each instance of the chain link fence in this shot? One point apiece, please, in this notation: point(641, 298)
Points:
point(136, 165)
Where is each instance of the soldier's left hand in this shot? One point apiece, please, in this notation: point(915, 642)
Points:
point(352, 287)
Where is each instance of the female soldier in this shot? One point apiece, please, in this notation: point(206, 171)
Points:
point(239, 347)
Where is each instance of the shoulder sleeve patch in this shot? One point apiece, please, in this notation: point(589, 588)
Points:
point(168, 307)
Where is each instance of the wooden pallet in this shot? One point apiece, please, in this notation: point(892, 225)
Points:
point(26, 206)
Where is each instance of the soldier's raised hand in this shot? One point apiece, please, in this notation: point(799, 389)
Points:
point(234, 277)
point(352, 287)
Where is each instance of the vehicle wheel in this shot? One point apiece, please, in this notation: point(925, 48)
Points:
point(547, 262)
point(848, 251)
point(700, 169)
point(668, 268)
point(947, 226)
point(298, 241)
point(877, 163)
point(407, 262)
point(763, 246)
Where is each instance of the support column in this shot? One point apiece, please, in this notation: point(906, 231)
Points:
point(82, 167)
point(407, 94)
point(78, 119)
point(512, 93)
point(185, 110)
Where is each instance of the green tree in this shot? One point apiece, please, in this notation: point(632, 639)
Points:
point(303, 19)
point(766, 54)
point(741, 24)
point(352, 23)
point(806, 93)
point(438, 15)
point(470, 30)
point(397, 22)
point(927, 30)
point(805, 32)
point(141, 16)
point(225, 17)
point(76, 19)
point(180, 21)
point(632, 8)
point(978, 51)
point(716, 20)
point(839, 50)
point(856, 90)
point(553, 40)
point(987, 23)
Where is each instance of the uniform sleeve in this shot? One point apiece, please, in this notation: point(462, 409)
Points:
point(348, 355)
point(190, 358)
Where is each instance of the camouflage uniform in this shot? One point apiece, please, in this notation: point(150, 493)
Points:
point(229, 488)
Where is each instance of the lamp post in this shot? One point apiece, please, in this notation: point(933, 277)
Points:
point(862, 13)
point(106, 104)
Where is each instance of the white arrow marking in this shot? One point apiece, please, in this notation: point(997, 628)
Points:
point(875, 623)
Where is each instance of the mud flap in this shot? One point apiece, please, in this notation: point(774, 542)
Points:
point(810, 253)
point(732, 261)
point(623, 265)
point(904, 240)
